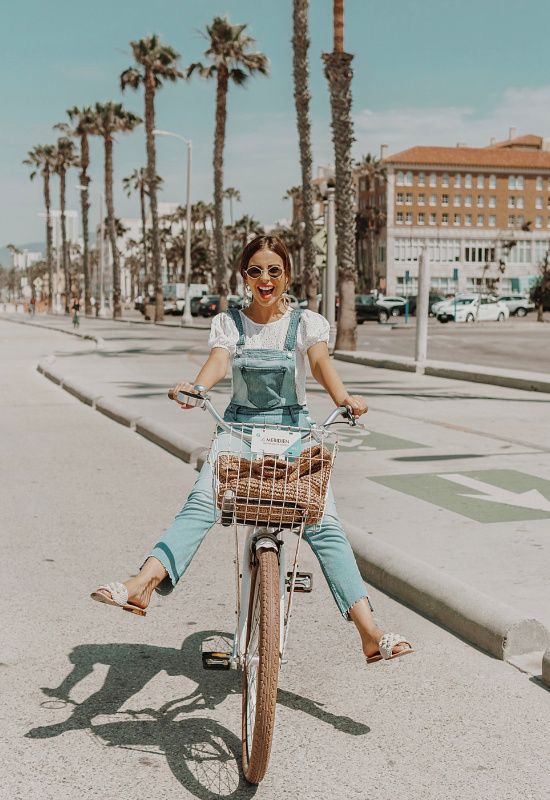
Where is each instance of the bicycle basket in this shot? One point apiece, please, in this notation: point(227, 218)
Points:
point(284, 489)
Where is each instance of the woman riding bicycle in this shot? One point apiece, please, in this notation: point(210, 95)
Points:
point(266, 345)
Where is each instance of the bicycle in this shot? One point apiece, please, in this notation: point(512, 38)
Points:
point(268, 479)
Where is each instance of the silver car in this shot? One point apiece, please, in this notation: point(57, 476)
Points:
point(518, 304)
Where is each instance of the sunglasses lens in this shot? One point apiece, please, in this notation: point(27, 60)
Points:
point(253, 272)
point(275, 272)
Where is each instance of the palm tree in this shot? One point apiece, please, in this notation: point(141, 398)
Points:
point(373, 172)
point(157, 63)
point(231, 194)
point(231, 62)
point(111, 118)
point(300, 46)
point(339, 73)
point(42, 161)
point(65, 158)
point(138, 182)
point(82, 121)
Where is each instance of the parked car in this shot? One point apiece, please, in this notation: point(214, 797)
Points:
point(394, 304)
point(517, 304)
point(209, 305)
point(367, 307)
point(477, 308)
point(433, 298)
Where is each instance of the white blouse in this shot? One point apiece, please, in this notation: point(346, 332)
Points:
point(313, 328)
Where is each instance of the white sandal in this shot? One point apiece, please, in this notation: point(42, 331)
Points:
point(119, 597)
point(386, 645)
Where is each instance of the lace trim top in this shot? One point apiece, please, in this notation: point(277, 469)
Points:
point(313, 328)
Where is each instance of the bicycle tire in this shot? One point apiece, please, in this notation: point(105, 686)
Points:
point(261, 666)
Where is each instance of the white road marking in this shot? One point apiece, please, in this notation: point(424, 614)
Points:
point(494, 494)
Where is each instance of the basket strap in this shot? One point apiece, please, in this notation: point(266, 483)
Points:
point(290, 341)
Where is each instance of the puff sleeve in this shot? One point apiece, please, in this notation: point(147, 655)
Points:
point(223, 333)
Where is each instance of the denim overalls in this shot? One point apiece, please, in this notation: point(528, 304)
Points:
point(264, 390)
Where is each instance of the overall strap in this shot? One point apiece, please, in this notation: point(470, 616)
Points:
point(290, 341)
point(236, 317)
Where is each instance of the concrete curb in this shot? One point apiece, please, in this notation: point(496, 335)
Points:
point(116, 411)
point(546, 668)
point(493, 626)
point(512, 379)
point(177, 444)
point(100, 343)
point(150, 322)
point(80, 391)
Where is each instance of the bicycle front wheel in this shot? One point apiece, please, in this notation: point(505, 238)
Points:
point(261, 666)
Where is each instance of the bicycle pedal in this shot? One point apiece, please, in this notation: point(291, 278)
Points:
point(303, 582)
point(214, 659)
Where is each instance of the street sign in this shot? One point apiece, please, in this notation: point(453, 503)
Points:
point(490, 495)
point(353, 439)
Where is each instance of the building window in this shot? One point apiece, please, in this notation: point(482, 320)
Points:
point(421, 179)
point(433, 200)
point(480, 182)
point(511, 221)
point(467, 219)
point(457, 220)
point(457, 180)
point(457, 200)
point(433, 219)
point(399, 178)
point(539, 183)
point(421, 199)
point(421, 218)
point(511, 181)
point(511, 201)
point(480, 220)
point(399, 218)
point(538, 202)
point(408, 199)
point(492, 201)
point(520, 220)
point(408, 179)
point(519, 182)
point(399, 198)
point(444, 199)
point(492, 220)
point(468, 201)
point(433, 179)
point(538, 222)
point(480, 201)
point(475, 254)
point(492, 181)
point(519, 202)
point(444, 219)
point(408, 218)
point(467, 181)
point(445, 180)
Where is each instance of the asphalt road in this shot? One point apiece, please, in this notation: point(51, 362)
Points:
point(125, 709)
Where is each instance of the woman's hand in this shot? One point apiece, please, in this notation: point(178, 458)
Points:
point(184, 387)
point(356, 403)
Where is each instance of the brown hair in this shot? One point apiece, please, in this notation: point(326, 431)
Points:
point(266, 242)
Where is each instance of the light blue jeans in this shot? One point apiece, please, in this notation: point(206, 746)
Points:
point(328, 541)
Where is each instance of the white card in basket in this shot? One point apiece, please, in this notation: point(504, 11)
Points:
point(271, 442)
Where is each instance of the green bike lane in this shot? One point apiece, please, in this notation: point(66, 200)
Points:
point(453, 473)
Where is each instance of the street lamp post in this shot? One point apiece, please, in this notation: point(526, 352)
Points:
point(330, 293)
point(186, 318)
point(422, 311)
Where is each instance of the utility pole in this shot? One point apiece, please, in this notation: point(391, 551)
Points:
point(422, 312)
point(186, 318)
point(101, 257)
point(329, 300)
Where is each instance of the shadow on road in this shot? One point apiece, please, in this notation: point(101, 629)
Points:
point(202, 754)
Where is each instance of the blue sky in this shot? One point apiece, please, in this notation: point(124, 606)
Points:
point(430, 72)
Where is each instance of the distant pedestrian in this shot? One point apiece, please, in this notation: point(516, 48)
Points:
point(32, 306)
point(76, 313)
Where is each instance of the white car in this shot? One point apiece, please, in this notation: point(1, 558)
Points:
point(517, 304)
point(473, 309)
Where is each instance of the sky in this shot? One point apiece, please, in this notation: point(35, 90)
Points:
point(431, 72)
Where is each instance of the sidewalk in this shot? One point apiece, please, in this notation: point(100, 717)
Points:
point(450, 478)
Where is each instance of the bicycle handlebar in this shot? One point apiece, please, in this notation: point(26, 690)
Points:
point(203, 401)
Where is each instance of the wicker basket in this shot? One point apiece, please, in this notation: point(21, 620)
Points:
point(273, 491)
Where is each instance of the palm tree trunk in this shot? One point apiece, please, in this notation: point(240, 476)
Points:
point(143, 225)
point(339, 73)
point(219, 141)
point(111, 227)
point(152, 182)
point(85, 201)
point(49, 238)
point(300, 43)
point(64, 255)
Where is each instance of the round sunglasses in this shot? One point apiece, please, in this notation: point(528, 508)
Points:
point(274, 271)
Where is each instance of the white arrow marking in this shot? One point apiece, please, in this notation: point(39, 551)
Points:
point(494, 494)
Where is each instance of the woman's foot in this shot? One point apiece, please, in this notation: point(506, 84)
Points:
point(141, 586)
point(369, 631)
